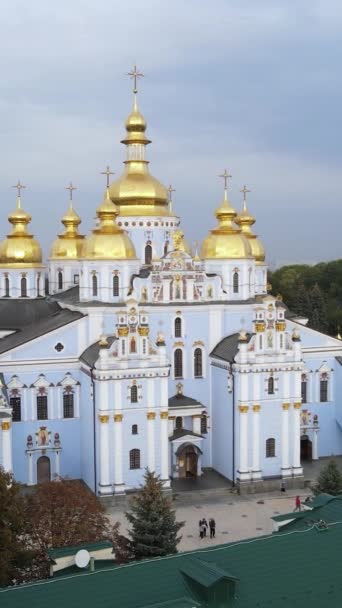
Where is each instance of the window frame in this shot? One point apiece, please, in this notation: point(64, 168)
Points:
point(134, 459)
point(178, 363)
point(16, 407)
point(67, 407)
point(270, 447)
point(178, 327)
point(134, 393)
point(40, 405)
point(116, 286)
point(198, 362)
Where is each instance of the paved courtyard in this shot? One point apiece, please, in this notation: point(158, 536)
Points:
point(237, 517)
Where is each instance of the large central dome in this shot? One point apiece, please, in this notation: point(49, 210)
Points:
point(137, 192)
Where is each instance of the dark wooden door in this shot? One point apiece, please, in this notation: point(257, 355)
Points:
point(43, 469)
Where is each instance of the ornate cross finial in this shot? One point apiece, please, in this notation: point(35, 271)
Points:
point(108, 173)
point(71, 188)
point(179, 387)
point(170, 190)
point(226, 176)
point(244, 192)
point(19, 186)
point(135, 74)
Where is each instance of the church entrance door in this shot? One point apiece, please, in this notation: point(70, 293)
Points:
point(188, 461)
point(43, 469)
point(305, 448)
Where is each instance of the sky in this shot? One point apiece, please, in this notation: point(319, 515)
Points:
point(253, 86)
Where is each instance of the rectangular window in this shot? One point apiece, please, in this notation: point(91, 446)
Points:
point(323, 390)
point(76, 279)
point(42, 407)
point(304, 392)
point(15, 403)
point(68, 405)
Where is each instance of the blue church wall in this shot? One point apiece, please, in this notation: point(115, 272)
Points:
point(270, 427)
point(222, 423)
point(87, 431)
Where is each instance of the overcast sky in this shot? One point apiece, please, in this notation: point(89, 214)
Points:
point(251, 85)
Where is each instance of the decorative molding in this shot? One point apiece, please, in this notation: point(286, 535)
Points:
point(260, 326)
point(5, 426)
point(297, 405)
point(118, 417)
point(164, 415)
point(280, 325)
point(143, 331)
point(178, 344)
point(122, 331)
point(198, 343)
point(285, 406)
point(150, 415)
point(256, 408)
point(243, 409)
point(104, 419)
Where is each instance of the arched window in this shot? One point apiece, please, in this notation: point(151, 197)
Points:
point(15, 404)
point(7, 287)
point(134, 394)
point(94, 284)
point(204, 425)
point(148, 253)
point(166, 247)
point(134, 459)
point(23, 287)
point(198, 364)
point(304, 388)
point(60, 280)
point(178, 363)
point(179, 423)
point(68, 404)
point(236, 282)
point(134, 429)
point(133, 345)
point(115, 285)
point(270, 447)
point(178, 327)
point(270, 385)
point(323, 389)
point(42, 407)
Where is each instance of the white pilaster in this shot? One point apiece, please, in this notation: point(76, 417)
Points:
point(196, 424)
point(151, 440)
point(6, 431)
point(296, 466)
point(285, 465)
point(30, 480)
point(315, 445)
point(105, 487)
point(256, 472)
point(119, 486)
point(57, 464)
point(243, 473)
point(164, 449)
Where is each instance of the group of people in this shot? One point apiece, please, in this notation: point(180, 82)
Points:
point(203, 527)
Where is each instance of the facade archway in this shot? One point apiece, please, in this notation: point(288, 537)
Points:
point(43, 469)
point(305, 449)
point(187, 461)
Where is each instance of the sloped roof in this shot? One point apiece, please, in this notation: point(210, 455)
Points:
point(91, 353)
point(183, 401)
point(323, 507)
point(277, 571)
point(30, 319)
point(66, 551)
point(179, 433)
point(227, 348)
point(205, 573)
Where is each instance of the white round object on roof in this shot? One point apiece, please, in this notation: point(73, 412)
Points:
point(82, 558)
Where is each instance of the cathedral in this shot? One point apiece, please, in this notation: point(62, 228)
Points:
point(127, 349)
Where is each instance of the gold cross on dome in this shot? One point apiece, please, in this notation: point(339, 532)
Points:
point(19, 187)
point(170, 190)
point(244, 192)
point(226, 176)
point(71, 188)
point(108, 173)
point(135, 74)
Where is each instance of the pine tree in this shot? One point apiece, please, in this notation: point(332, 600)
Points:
point(329, 480)
point(154, 527)
point(13, 551)
point(319, 317)
point(302, 304)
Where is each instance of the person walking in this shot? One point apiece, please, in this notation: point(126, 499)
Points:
point(283, 487)
point(298, 506)
point(204, 526)
point(212, 527)
point(200, 525)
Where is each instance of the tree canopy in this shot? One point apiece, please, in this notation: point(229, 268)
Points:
point(314, 292)
point(329, 480)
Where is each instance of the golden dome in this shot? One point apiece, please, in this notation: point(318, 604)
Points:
point(108, 241)
point(137, 192)
point(70, 244)
point(245, 220)
point(20, 249)
point(225, 241)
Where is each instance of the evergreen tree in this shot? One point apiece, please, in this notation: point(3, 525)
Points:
point(154, 527)
point(329, 480)
point(319, 317)
point(13, 543)
point(302, 303)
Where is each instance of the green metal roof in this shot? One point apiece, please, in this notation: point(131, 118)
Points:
point(323, 507)
point(205, 573)
point(297, 569)
point(65, 551)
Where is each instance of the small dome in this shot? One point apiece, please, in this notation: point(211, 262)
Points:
point(20, 248)
point(70, 244)
point(108, 241)
point(225, 241)
point(245, 220)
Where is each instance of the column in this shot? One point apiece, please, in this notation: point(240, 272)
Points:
point(256, 472)
point(171, 424)
point(119, 485)
point(51, 410)
point(105, 487)
point(243, 473)
point(30, 480)
point(285, 465)
point(6, 446)
point(59, 399)
point(296, 466)
point(196, 424)
point(164, 449)
point(151, 441)
point(315, 444)
point(57, 465)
